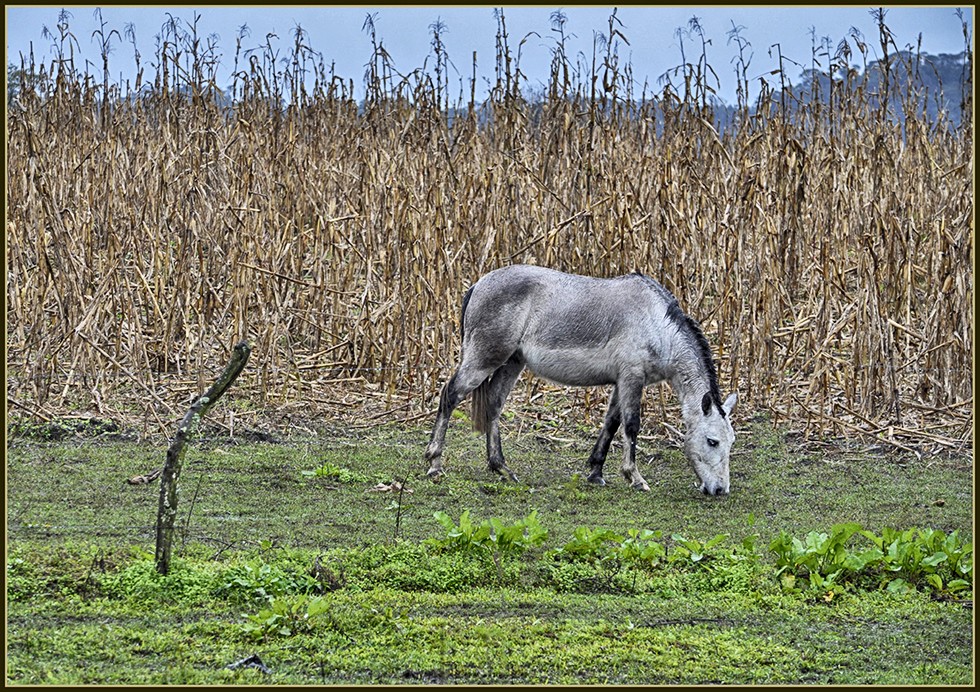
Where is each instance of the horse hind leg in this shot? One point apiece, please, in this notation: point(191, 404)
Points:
point(448, 400)
point(488, 400)
point(463, 381)
point(609, 427)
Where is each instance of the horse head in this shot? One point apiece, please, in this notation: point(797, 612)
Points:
point(708, 442)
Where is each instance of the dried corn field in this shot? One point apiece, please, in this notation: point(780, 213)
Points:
point(826, 250)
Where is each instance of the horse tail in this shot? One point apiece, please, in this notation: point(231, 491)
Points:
point(478, 403)
point(478, 407)
point(462, 314)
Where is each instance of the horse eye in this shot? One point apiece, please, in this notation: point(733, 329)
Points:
point(712, 443)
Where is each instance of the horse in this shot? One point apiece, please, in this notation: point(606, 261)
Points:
point(628, 332)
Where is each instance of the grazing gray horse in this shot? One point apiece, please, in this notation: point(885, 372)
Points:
point(574, 330)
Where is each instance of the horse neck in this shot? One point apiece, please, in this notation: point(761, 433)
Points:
point(690, 383)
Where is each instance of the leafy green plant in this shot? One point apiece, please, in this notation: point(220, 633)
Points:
point(266, 582)
point(818, 552)
point(690, 551)
point(747, 550)
point(642, 547)
point(591, 545)
point(140, 582)
point(897, 560)
point(491, 536)
point(607, 576)
point(492, 539)
point(598, 560)
point(944, 563)
point(59, 573)
point(285, 617)
point(822, 559)
point(334, 472)
point(425, 568)
point(639, 547)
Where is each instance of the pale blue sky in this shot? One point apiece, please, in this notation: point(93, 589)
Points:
point(336, 32)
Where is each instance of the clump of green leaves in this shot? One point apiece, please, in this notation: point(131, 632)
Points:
point(690, 551)
point(603, 560)
point(590, 545)
point(57, 572)
point(591, 562)
point(334, 472)
point(492, 539)
point(285, 617)
point(140, 582)
point(896, 560)
point(642, 548)
point(491, 536)
point(425, 568)
point(924, 557)
point(266, 582)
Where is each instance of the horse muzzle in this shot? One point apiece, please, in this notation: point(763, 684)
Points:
point(713, 489)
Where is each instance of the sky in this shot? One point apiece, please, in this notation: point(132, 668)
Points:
point(336, 31)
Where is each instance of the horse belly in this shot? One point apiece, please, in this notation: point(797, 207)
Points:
point(581, 367)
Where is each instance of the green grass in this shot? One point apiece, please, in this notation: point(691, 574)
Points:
point(305, 569)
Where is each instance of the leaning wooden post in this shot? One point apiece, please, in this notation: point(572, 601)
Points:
point(167, 512)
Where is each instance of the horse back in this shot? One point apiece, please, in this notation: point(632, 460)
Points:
point(568, 328)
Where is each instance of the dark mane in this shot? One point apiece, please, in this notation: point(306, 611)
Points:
point(687, 325)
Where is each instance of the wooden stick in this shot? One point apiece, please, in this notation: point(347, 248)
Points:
point(167, 511)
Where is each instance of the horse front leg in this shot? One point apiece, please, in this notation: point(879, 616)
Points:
point(629, 403)
point(609, 427)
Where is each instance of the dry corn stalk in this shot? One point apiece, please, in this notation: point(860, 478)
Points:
point(827, 251)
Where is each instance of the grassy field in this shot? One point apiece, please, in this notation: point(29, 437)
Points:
point(289, 551)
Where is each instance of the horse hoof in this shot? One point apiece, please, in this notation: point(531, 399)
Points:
point(596, 480)
point(641, 486)
point(435, 474)
point(503, 471)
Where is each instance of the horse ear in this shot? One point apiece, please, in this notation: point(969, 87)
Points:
point(729, 404)
point(706, 403)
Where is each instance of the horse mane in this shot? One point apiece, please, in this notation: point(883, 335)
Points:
point(689, 326)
